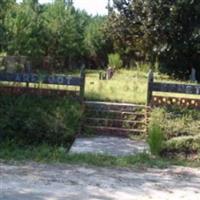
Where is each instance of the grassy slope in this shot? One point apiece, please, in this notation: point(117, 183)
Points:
point(125, 86)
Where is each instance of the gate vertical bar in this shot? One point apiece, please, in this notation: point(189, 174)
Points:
point(82, 86)
point(149, 87)
point(149, 97)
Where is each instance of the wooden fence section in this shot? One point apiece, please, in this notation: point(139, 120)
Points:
point(36, 78)
point(10, 90)
point(188, 89)
point(48, 80)
point(183, 102)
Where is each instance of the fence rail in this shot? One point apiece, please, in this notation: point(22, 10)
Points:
point(187, 89)
point(37, 78)
point(29, 78)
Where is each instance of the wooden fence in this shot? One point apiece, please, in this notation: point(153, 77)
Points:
point(12, 83)
point(188, 89)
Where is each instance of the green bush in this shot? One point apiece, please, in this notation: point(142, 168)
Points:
point(155, 139)
point(37, 120)
point(185, 144)
point(177, 122)
point(115, 61)
point(181, 130)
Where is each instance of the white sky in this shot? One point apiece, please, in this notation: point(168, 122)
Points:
point(91, 6)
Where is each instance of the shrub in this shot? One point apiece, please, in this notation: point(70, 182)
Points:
point(181, 130)
point(176, 122)
point(37, 120)
point(185, 144)
point(156, 139)
point(115, 61)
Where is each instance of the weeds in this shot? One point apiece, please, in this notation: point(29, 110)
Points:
point(181, 132)
point(49, 154)
point(156, 139)
point(115, 61)
point(126, 86)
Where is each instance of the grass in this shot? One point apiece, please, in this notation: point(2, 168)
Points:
point(176, 122)
point(155, 139)
point(49, 154)
point(180, 129)
point(128, 86)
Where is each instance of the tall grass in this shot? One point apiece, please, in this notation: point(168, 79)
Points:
point(181, 128)
point(115, 61)
point(156, 139)
point(48, 154)
point(126, 86)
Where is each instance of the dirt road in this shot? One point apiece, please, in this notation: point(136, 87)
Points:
point(32, 181)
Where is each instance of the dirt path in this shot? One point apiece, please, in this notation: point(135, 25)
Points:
point(33, 181)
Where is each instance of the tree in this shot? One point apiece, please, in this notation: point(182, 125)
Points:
point(5, 5)
point(56, 31)
point(96, 45)
point(126, 28)
point(60, 24)
point(177, 25)
point(164, 29)
point(24, 30)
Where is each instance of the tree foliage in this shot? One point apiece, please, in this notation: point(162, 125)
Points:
point(57, 30)
point(95, 42)
point(24, 29)
point(4, 8)
point(164, 29)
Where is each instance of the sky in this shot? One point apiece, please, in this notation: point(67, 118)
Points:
point(93, 7)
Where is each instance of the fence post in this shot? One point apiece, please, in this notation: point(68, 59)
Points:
point(82, 87)
point(28, 70)
point(149, 87)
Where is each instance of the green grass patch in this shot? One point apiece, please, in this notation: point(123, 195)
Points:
point(126, 86)
point(176, 121)
point(155, 139)
point(49, 154)
point(185, 144)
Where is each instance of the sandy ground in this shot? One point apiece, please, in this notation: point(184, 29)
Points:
point(32, 181)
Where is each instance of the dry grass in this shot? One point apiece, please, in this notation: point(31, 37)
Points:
point(125, 86)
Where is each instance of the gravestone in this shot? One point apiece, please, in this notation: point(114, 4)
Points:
point(193, 75)
point(22, 63)
point(109, 73)
point(10, 64)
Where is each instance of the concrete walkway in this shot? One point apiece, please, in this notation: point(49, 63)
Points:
point(109, 145)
